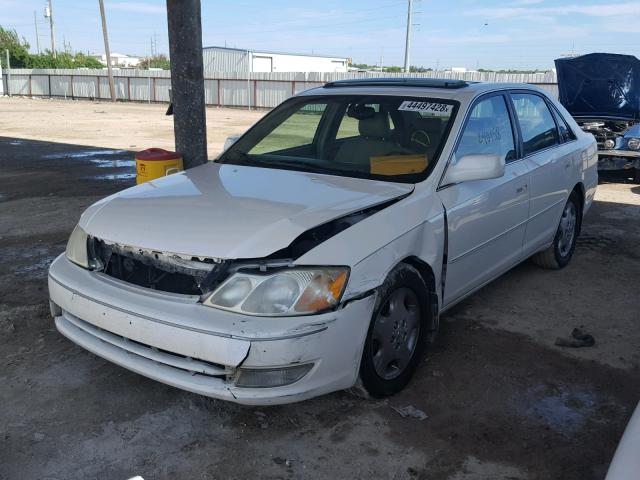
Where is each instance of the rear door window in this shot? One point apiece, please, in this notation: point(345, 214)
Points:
point(537, 125)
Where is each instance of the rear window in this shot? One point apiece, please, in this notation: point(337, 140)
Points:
point(377, 137)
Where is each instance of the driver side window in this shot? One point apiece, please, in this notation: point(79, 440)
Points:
point(488, 131)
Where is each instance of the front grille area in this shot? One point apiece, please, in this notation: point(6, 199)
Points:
point(155, 270)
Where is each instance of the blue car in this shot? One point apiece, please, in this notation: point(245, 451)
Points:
point(602, 93)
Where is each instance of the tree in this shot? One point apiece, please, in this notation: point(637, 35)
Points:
point(157, 61)
point(63, 60)
point(20, 57)
point(18, 48)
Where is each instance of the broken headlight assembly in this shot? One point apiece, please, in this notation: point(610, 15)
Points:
point(287, 292)
point(77, 251)
point(634, 144)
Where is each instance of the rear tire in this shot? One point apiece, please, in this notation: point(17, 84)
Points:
point(397, 334)
point(559, 254)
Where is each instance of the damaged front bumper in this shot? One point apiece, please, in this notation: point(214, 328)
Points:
point(175, 339)
point(618, 160)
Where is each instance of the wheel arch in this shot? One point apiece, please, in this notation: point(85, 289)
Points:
point(429, 278)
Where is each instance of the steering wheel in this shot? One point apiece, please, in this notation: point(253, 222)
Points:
point(421, 138)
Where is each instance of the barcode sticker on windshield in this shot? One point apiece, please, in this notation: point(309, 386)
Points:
point(436, 109)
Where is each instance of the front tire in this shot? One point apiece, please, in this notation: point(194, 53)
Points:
point(397, 334)
point(559, 254)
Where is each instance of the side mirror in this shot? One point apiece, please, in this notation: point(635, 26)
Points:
point(475, 167)
point(231, 139)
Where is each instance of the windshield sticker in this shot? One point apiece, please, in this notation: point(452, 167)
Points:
point(436, 109)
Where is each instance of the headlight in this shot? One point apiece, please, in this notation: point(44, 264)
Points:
point(296, 291)
point(609, 144)
point(634, 144)
point(77, 247)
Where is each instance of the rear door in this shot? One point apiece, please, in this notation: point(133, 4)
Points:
point(549, 159)
point(486, 218)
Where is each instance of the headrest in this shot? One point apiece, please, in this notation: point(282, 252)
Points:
point(376, 126)
point(360, 111)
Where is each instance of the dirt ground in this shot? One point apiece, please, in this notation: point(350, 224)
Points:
point(502, 401)
point(131, 126)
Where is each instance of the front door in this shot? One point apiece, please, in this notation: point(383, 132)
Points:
point(486, 218)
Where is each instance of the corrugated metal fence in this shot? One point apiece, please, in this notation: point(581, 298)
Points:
point(263, 90)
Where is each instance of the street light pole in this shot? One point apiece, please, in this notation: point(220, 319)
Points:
point(53, 32)
point(112, 86)
point(187, 80)
point(407, 46)
point(35, 22)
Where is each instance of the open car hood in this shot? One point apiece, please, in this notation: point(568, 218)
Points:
point(230, 211)
point(600, 85)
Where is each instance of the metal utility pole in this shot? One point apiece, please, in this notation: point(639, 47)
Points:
point(112, 86)
point(35, 22)
point(187, 80)
point(53, 32)
point(407, 46)
point(249, 55)
point(8, 73)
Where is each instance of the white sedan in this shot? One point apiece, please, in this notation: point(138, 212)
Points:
point(321, 247)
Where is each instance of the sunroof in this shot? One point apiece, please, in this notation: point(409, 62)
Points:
point(399, 82)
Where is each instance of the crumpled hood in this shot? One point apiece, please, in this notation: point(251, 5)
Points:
point(229, 211)
point(600, 85)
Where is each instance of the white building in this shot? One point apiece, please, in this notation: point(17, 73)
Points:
point(223, 59)
point(118, 60)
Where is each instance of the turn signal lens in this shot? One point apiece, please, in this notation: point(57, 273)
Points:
point(324, 291)
point(77, 251)
point(271, 377)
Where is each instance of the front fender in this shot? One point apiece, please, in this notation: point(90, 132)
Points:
point(413, 227)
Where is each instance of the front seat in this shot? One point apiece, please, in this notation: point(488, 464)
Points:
point(374, 141)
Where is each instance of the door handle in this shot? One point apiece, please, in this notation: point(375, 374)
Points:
point(522, 188)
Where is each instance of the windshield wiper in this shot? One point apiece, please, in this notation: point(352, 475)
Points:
point(300, 165)
point(242, 158)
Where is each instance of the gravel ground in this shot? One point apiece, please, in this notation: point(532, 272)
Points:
point(502, 401)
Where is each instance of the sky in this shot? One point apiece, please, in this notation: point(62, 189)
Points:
point(516, 34)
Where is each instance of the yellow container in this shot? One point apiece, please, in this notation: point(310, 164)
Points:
point(154, 163)
point(398, 164)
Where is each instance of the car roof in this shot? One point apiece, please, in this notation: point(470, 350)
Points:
point(460, 90)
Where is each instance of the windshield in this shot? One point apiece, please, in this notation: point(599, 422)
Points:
point(379, 137)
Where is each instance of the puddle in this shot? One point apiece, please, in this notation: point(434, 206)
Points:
point(113, 176)
point(119, 163)
point(96, 158)
point(83, 154)
point(33, 261)
point(557, 407)
point(38, 269)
